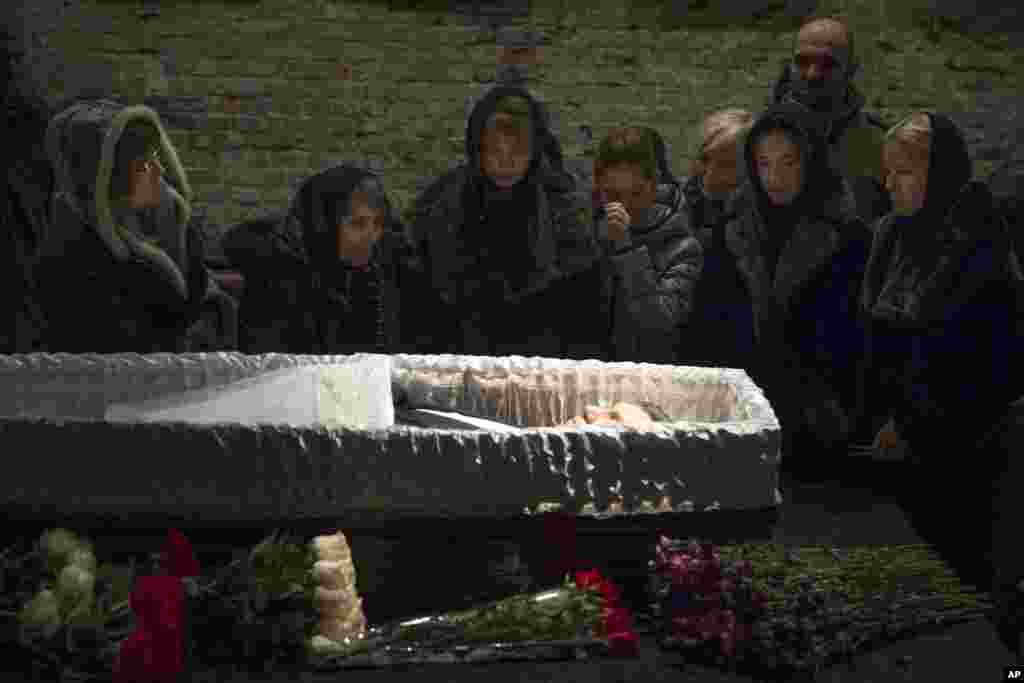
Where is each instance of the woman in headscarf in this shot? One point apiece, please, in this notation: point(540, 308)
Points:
point(942, 292)
point(120, 269)
point(325, 278)
point(802, 251)
point(507, 242)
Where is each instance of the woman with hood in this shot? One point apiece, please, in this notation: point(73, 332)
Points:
point(326, 278)
point(653, 259)
point(941, 295)
point(721, 330)
point(802, 250)
point(508, 244)
point(120, 269)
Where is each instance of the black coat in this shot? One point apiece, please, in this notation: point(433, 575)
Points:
point(810, 334)
point(107, 286)
point(720, 332)
point(299, 298)
point(520, 277)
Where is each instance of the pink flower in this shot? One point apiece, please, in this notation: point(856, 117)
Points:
point(728, 643)
point(745, 568)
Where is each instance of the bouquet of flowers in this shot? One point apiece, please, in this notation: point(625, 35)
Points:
point(68, 613)
point(706, 603)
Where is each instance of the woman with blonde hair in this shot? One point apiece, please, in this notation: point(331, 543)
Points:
point(721, 331)
point(939, 295)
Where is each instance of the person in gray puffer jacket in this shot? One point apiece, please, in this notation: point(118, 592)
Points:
point(122, 267)
point(652, 258)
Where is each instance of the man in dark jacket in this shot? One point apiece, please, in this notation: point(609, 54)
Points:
point(820, 78)
point(326, 278)
point(508, 244)
point(120, 269)
point(652, 257)
point(802, 251)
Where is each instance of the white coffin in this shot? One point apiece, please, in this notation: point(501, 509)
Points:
point(719, 452)
point(356, 395)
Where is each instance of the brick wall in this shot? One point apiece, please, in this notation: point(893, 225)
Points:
point(259, 95)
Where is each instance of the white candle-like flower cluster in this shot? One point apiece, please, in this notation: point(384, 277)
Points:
point(340, 607)
point(73, 564)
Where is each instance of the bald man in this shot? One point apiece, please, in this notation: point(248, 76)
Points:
point(819, 77)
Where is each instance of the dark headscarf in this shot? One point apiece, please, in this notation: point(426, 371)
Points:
point(315, 212)
point(915, 259)
point(317, 208)
point(504, 223)
point(820, 180)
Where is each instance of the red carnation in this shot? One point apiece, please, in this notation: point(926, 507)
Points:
point(622, 640)
point(623, 644)
point(588, 580)
point(154, 652)
point(609, 592)
point(181, 561)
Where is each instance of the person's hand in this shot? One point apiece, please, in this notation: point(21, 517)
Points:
point(618, 221)
point(888, 441)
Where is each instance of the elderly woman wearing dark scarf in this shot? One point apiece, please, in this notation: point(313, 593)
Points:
point(941, 295)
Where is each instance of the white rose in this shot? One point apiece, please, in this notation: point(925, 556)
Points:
point(83, 557)
point(58, 544)
point(42, 610)
point(74, 585)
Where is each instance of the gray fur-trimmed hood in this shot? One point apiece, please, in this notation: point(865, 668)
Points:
point(80, 142)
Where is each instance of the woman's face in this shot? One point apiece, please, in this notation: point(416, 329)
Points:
point(721, 170)
point(906, 178)
point(779, 168)
point(505, 151)
point(360, 232)
point(146, 174)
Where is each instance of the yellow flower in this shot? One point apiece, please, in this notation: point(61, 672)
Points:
point(58, 544)
point(83, 558)
point(42, 610)
point(74, 585)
